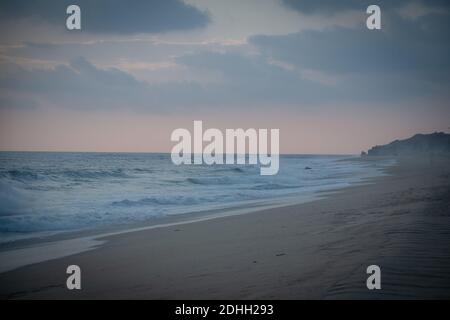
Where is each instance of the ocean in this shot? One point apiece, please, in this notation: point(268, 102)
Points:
point(46, 193)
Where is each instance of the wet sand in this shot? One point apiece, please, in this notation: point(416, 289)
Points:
point(316, 250)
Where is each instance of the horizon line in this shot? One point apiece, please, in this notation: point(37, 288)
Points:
point(159, 152)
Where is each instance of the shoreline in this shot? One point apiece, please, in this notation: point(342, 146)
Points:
point(48, 247)
point(281, 252)
point(112, 211)
point(36, 250)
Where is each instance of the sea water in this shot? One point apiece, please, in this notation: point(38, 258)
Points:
point(43, 193)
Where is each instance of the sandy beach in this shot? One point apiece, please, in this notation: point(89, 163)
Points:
point(316, 250)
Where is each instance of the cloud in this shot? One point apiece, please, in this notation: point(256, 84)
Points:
point(249, 78)
point(245, 81)
point(333, 6)
point(109, 52)
point(83, 85)
point(261, 79)
point(407, 59)
point(412, 48)
point(112, 16)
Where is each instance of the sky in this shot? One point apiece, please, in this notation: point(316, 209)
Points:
point(139, 69)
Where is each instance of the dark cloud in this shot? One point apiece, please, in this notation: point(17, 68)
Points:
point(335, 6)
point(407, 59)
point(260, 79)
point(79, 75)
point(12, 101)
point(112, 16)
point(411, 47)
point(324, 6)
point(250, 78)
point(246, 81)
point(82, 85)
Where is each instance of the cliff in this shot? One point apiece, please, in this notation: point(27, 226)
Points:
point(419, 144)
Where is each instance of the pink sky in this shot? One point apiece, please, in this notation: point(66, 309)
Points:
point(324, 132)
